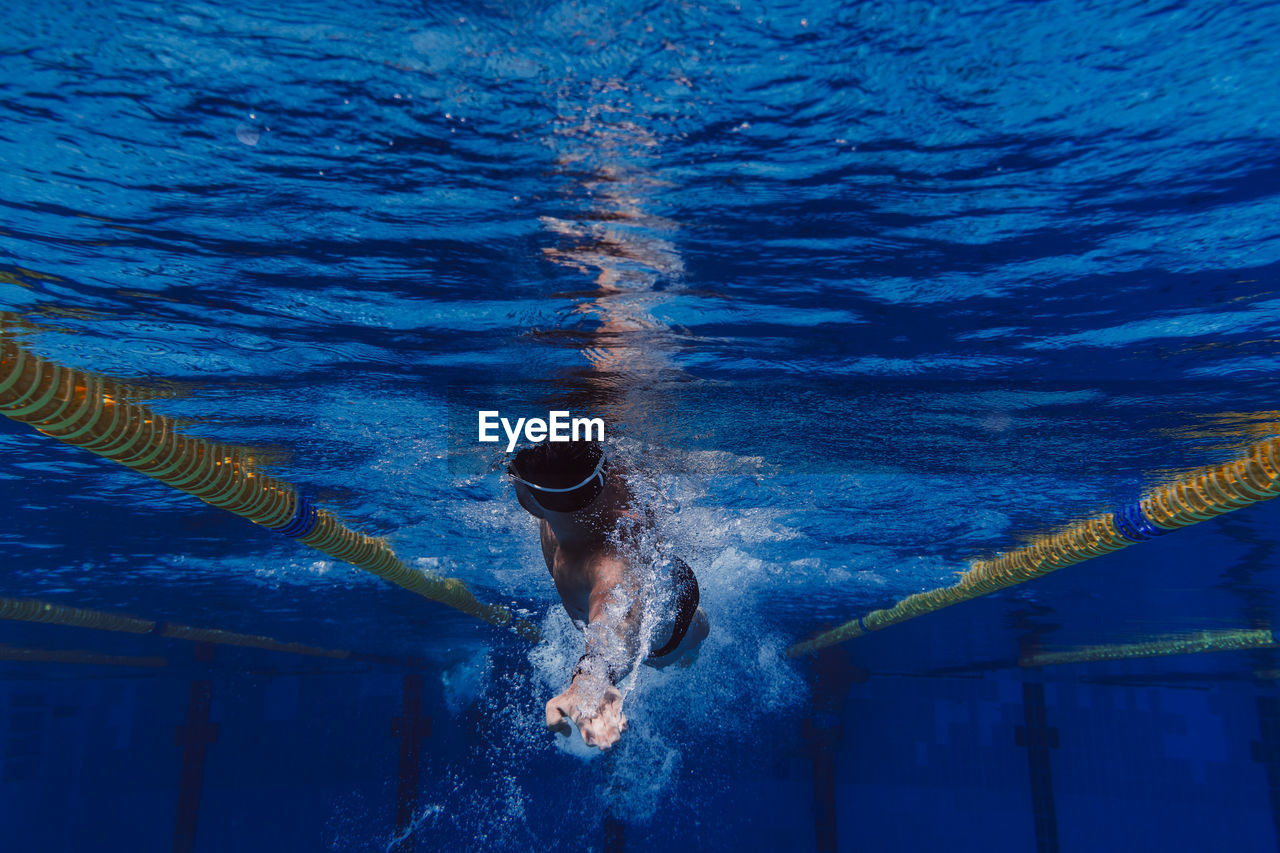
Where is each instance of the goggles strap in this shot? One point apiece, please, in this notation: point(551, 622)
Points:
point(598, 472)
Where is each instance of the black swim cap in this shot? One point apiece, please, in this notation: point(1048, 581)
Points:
point(550, 468)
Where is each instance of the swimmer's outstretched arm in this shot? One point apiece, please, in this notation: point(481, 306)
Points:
point(592, 701)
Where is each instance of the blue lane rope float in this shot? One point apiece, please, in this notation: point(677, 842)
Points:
point(1196, 497)
point(303, 521)
point(1134, 526)
point(94, 413)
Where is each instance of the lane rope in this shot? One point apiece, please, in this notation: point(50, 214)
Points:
point(95, 413)
point(1196, 497)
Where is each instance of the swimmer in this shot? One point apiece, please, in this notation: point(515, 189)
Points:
point(585, 509)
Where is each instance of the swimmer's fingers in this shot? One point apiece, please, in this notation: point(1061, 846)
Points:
point(605, 728)
point(601, 731)
point(558, 718)
point(613, 708)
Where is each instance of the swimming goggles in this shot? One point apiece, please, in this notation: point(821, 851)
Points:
point(598, 472)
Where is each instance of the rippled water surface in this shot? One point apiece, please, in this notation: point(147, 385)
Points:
point(869, 288)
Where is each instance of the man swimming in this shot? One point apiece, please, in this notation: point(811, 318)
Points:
point(588, 525)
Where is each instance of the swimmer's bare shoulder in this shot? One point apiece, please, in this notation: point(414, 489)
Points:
point(581, 513)
point(583, 576)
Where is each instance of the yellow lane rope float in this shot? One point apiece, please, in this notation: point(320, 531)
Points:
point(30, 610)
point(1199, 496)
point(1199, 642)
point(92, 412)
point(15, 653)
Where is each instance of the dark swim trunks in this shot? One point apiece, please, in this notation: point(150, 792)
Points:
point(686, 605)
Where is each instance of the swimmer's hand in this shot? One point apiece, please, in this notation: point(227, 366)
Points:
point(601, 724)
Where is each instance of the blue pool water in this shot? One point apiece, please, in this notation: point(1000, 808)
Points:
point(868, 289)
